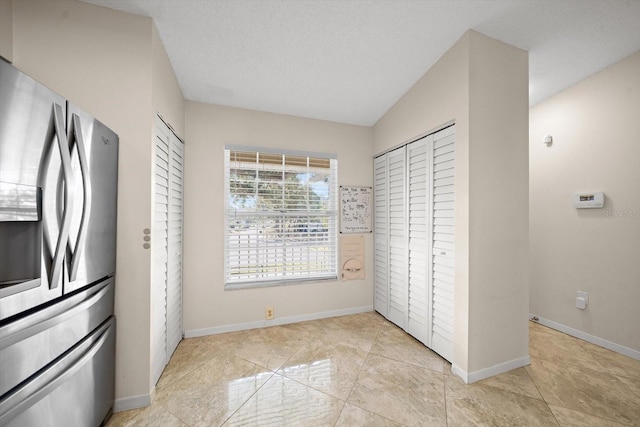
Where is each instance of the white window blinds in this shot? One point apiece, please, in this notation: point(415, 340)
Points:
point(281, 217)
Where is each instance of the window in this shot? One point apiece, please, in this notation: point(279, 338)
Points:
point(281, 217)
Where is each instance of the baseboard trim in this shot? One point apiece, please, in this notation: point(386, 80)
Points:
point(275, 322)
point(134, 402)
point(491, 371)
point(625, 351)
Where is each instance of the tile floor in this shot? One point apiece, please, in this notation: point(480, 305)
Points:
point(361, 370)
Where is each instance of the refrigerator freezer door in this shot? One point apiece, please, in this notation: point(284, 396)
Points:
point(91, 246)
point(76, 390)
point(28, 344)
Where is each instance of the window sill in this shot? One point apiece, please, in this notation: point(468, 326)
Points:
point(276, 282)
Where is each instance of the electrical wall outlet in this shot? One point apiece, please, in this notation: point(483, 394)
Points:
point(268, 313)
point(582, 300)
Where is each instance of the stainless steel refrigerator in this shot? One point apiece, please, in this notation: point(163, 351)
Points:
point(58, 191)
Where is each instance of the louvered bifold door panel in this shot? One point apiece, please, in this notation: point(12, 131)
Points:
point(174, 262)
point(381, 217)
point(443, 242)
point(398, 291)
point(418, 227)
point(159, 242)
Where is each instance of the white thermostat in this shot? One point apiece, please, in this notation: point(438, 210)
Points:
point(594, 199)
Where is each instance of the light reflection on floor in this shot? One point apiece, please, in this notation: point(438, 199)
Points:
point(361, 370)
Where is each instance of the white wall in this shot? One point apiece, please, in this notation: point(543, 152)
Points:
point(207, 306)
point(482, 84)
point(596, 146)
point(110, 64)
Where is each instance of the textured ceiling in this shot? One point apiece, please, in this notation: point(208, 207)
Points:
point(350, 61)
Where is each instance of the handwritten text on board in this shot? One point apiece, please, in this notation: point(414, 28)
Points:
point(355, 209)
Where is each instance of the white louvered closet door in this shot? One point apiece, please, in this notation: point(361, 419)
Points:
point(418, 224)
point(381, 229)
point(398, 274)
point(174, 249)
point(166, 244)
point(443, 242)
point(414, 245)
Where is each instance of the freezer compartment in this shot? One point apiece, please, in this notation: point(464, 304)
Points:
point(76, 390)
point(30, 343)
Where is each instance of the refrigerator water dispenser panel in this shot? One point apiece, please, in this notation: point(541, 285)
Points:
point(591, 200)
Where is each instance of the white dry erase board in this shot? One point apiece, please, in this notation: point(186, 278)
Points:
point(355, 209)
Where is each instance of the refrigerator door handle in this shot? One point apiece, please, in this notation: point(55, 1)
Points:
point(65, 156)
point(77, 137)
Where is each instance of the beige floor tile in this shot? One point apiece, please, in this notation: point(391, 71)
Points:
point(405, 393)
point(330, 368)
point(591, 392)
point(151, 416)
point(388, 378)
point(212, 392)
point(516, 381)
point(570, 418)
point(268, 347)
point(481, 404)
point(353, 416)
point(125, 418)
point(634, 385)
point(554, 346)
point(393, 343)
point(304, 331)
point(190, 354)
point(613, 362)
point(284, 402)
point(356, 321)
point(358, 331)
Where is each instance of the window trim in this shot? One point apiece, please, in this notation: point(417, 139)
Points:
point(334, 201)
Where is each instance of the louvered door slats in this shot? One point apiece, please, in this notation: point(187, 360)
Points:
point(166, 241)
point(381, 235)
point(443, 262)
point(159, 240)
point(174, 278)
point(418, 190)
point(397, 238)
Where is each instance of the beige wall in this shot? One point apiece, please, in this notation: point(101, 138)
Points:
point(498, 203)
point(109, 64)
point(482, 84)
point(167, 95)
point(596, 146)
point(207, 306)
point(6, 29)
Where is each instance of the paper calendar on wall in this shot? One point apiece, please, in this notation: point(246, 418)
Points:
point(355, 209)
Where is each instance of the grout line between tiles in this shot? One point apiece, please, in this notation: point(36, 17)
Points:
point(250, 396)
point(444, 394)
